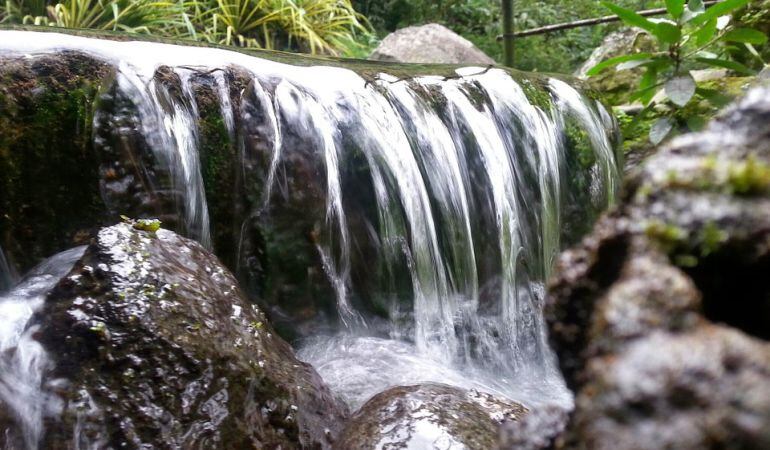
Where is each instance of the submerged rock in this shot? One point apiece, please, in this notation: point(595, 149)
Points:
point(429, 416)
point(153, 345)
point(431, 43)
point(660, 317)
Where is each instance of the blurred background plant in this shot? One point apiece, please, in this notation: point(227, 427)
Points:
point(313, 26)
point(351, 28)
point(688, 38)
point(479, 21)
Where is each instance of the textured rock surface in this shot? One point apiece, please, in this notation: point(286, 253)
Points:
point(660, 317)
point(46, 105)
point(431, 43)
point(429, 416)
point(154, 345)
point(617, 86)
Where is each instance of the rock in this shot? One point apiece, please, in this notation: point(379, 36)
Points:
point(45, 105)
point(431, 43)
point(617, 86)
point(537, 430)
point(636, 131)
point(702, 389)
point(429, 416)
point(154, 345)
point(660, 317)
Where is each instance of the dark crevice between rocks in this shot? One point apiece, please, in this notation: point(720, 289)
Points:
point(569, 331)
point(735, 291)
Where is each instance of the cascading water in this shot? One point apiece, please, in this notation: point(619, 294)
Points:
point(444, 199)
point(7, 274)
point(23, 361)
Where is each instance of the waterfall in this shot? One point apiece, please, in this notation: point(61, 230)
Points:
point(23, 361)
point(7, 274)
point(436, 205)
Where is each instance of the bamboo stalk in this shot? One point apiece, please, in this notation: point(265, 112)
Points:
point(586, 22)
point(508, 34)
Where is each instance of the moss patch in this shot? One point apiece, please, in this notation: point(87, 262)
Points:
point(49, 188)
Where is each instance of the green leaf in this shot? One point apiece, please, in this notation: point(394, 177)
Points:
point(725, 64)
point(681, 89)
point(675, 8)
point(745, 35)
point(660, 129)
point(647, 85)
point(631, 18)
point(595, 70)
point(719, 9)
point(714, 97)
point(752, 50)
point(668, 33)
point(628, 65)
point(696, 6)
point(706, 32)
point(696, 123)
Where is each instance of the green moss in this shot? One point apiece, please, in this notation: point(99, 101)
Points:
point(537, 94)
point(149, 225)
point(711, 238)
point(685, 248)
point(635, 131)
point(667, 236)
point(46, 115)
point(580, 143)
point(749, 177)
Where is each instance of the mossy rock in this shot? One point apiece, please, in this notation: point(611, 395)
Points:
point(636, 129)
point(153, 345)
point(660, 316)
point(49, 188)
point(616, 87)
point(430, 415)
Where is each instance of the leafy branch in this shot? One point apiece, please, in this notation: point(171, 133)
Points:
point(690, 35)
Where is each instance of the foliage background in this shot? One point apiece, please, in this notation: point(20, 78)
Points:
point(479, 22)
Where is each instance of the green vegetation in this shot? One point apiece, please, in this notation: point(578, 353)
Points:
point(312, 26)
point(479, 21)
point(149, 225)
point(685, 248)
point(691, 37)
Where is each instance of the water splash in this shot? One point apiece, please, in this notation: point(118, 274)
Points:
point(23, 361)
point(170, 125)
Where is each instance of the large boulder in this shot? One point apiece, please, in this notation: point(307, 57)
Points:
point(153, 345)
point(660, 317)
point(617, 86)
point(431, 43)
point(429, 416)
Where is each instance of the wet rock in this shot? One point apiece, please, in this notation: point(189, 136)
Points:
point(45, 144)
point(431, 43)
point(429, 416)
point(702, 389)
point(660, 317)
point(537, 430)
point(154, 345)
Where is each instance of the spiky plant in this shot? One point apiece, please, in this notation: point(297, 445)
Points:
point(143, 16)
point(315, 26)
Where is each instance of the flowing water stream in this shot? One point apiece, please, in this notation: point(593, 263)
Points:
point(446, 200)
point(23, 360)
